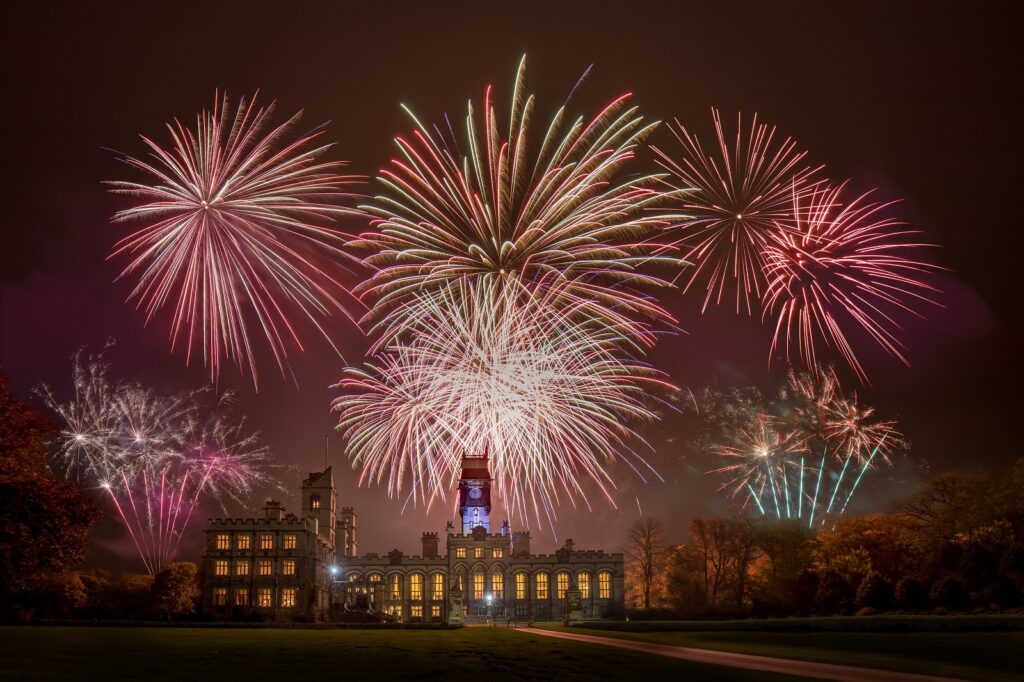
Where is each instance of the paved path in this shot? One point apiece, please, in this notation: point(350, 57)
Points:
point(786, 666)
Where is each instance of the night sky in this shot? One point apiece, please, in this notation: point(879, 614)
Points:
point(920, 100)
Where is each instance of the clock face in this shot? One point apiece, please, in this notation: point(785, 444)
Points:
point(475, 493)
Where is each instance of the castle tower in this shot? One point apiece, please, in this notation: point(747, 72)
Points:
point(475, 494)
point(319, 502)
point(348, 547)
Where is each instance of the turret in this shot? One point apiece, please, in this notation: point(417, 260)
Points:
point(430, 545)
point(475, 494)
point(319, 502)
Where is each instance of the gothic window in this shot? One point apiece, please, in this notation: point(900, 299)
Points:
point(604, 585)
point(314, 502)
point(220, 567)
point(288, 597)
point(478, 585)
point(561, 584)
point(375, 577)
point(583, 580)
point(497, 553)
point(288, 567)
point(290, 541)
point(223, 541)
point(460, 552)
point(244, 541)
point(498, 584)
point(266, 567)
point(478, 553)
point(242, 567)
point(416, 588)
point(264, 598)
point(266, 541)
point(521, 581)
point(437, 587)
point(395, 589)
point(242, 596)
point(542, 586)
point(220, 596)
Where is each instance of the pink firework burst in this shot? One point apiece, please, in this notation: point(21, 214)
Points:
point(837, 266)
point(734, 197)
point(235, 212)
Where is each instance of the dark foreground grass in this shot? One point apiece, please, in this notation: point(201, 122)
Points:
point(966, 655)
point(112, 653)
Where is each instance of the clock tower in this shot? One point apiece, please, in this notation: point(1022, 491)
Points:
point(475, 494)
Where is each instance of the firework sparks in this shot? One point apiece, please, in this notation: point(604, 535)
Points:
point(154, 455)
point(840, 265)
point(548, 398)
point(734, 197)
point(234, 214)
point(515, 214)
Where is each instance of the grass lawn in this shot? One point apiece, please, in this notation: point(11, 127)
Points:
point(112, 653)
point(968, 655)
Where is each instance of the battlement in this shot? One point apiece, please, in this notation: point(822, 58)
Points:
point(286, 520)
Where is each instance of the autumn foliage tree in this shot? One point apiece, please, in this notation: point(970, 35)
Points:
point(45, 519)
point(645, 551)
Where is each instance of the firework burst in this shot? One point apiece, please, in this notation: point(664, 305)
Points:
point(512, 213)
point(547, 397)
point(155, 456)
point(235, 211)
point(841, 265)
point(734, 198)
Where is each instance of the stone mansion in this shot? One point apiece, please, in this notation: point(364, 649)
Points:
point(284, 567)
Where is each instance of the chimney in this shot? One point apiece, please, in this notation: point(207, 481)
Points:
point(430, 544)
point(504, 528)
point(273, 510)
point(568, 544)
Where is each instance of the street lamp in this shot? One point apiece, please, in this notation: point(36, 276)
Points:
point(489, 598)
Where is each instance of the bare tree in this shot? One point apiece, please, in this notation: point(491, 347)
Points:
point(645, 550)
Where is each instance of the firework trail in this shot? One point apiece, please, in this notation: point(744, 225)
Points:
point(234, 214)
point(839, 265)
point(515, 213)
point(735, 198)
point(547, 397)
point(154, 455)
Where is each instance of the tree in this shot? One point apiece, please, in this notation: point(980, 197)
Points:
point(950, 593)
point(875, 592)
point(176, 589)
point(46, 520)
point(911, 594)
point(645, 550)
point(834, 593)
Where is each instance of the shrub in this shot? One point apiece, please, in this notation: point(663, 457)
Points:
point(911, 594)
point(834, 593)
point(977, 567)
point(950, 593)
point(805, 590)
point(875, 592)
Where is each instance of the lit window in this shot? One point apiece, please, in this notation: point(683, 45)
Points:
point(604, 585)
point(478, 585)
point(416, 612)
point(221, 567)
point(314, 502)
point(460, 553)
point(498, 584)
point(375, 577)
point(266, 567)
point(242, 567)
point(244, 541)
point(437, 587)
point(223, 541)
point(220, 596)
point(266, 541)
point(416, 587)
point(264, 598)
point(288, 567)
point(396, 586)
point(561, 584)
point(478, 553)
point(542, 586)
point(435, 612)
point(521, 585)
point(290, 541)
point(288, 596)
point(497, 553)
point(583, 580)
point(242, 596)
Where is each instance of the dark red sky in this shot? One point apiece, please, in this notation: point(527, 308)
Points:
point(918, 99)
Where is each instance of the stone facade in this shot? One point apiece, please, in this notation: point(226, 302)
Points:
point(478, 575)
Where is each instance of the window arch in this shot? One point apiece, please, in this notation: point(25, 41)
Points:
point(541, 585)
point(561, 584)
point(416, 586)
point(437, 586)
point(395, 586)
point(498, 583)
point(583, 582)
point(604, 585)
point(478, 583)
point(522, 585)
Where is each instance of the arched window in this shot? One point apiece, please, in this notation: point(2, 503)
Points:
point(541, 591)
point(521, 585)
point(395, 586)
point(561, 584)
point(437, 586)
point(604, 585)
point(416, 587)
point(478, 584)
point(375, 577)
point(583, 581)
point(498, 584)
